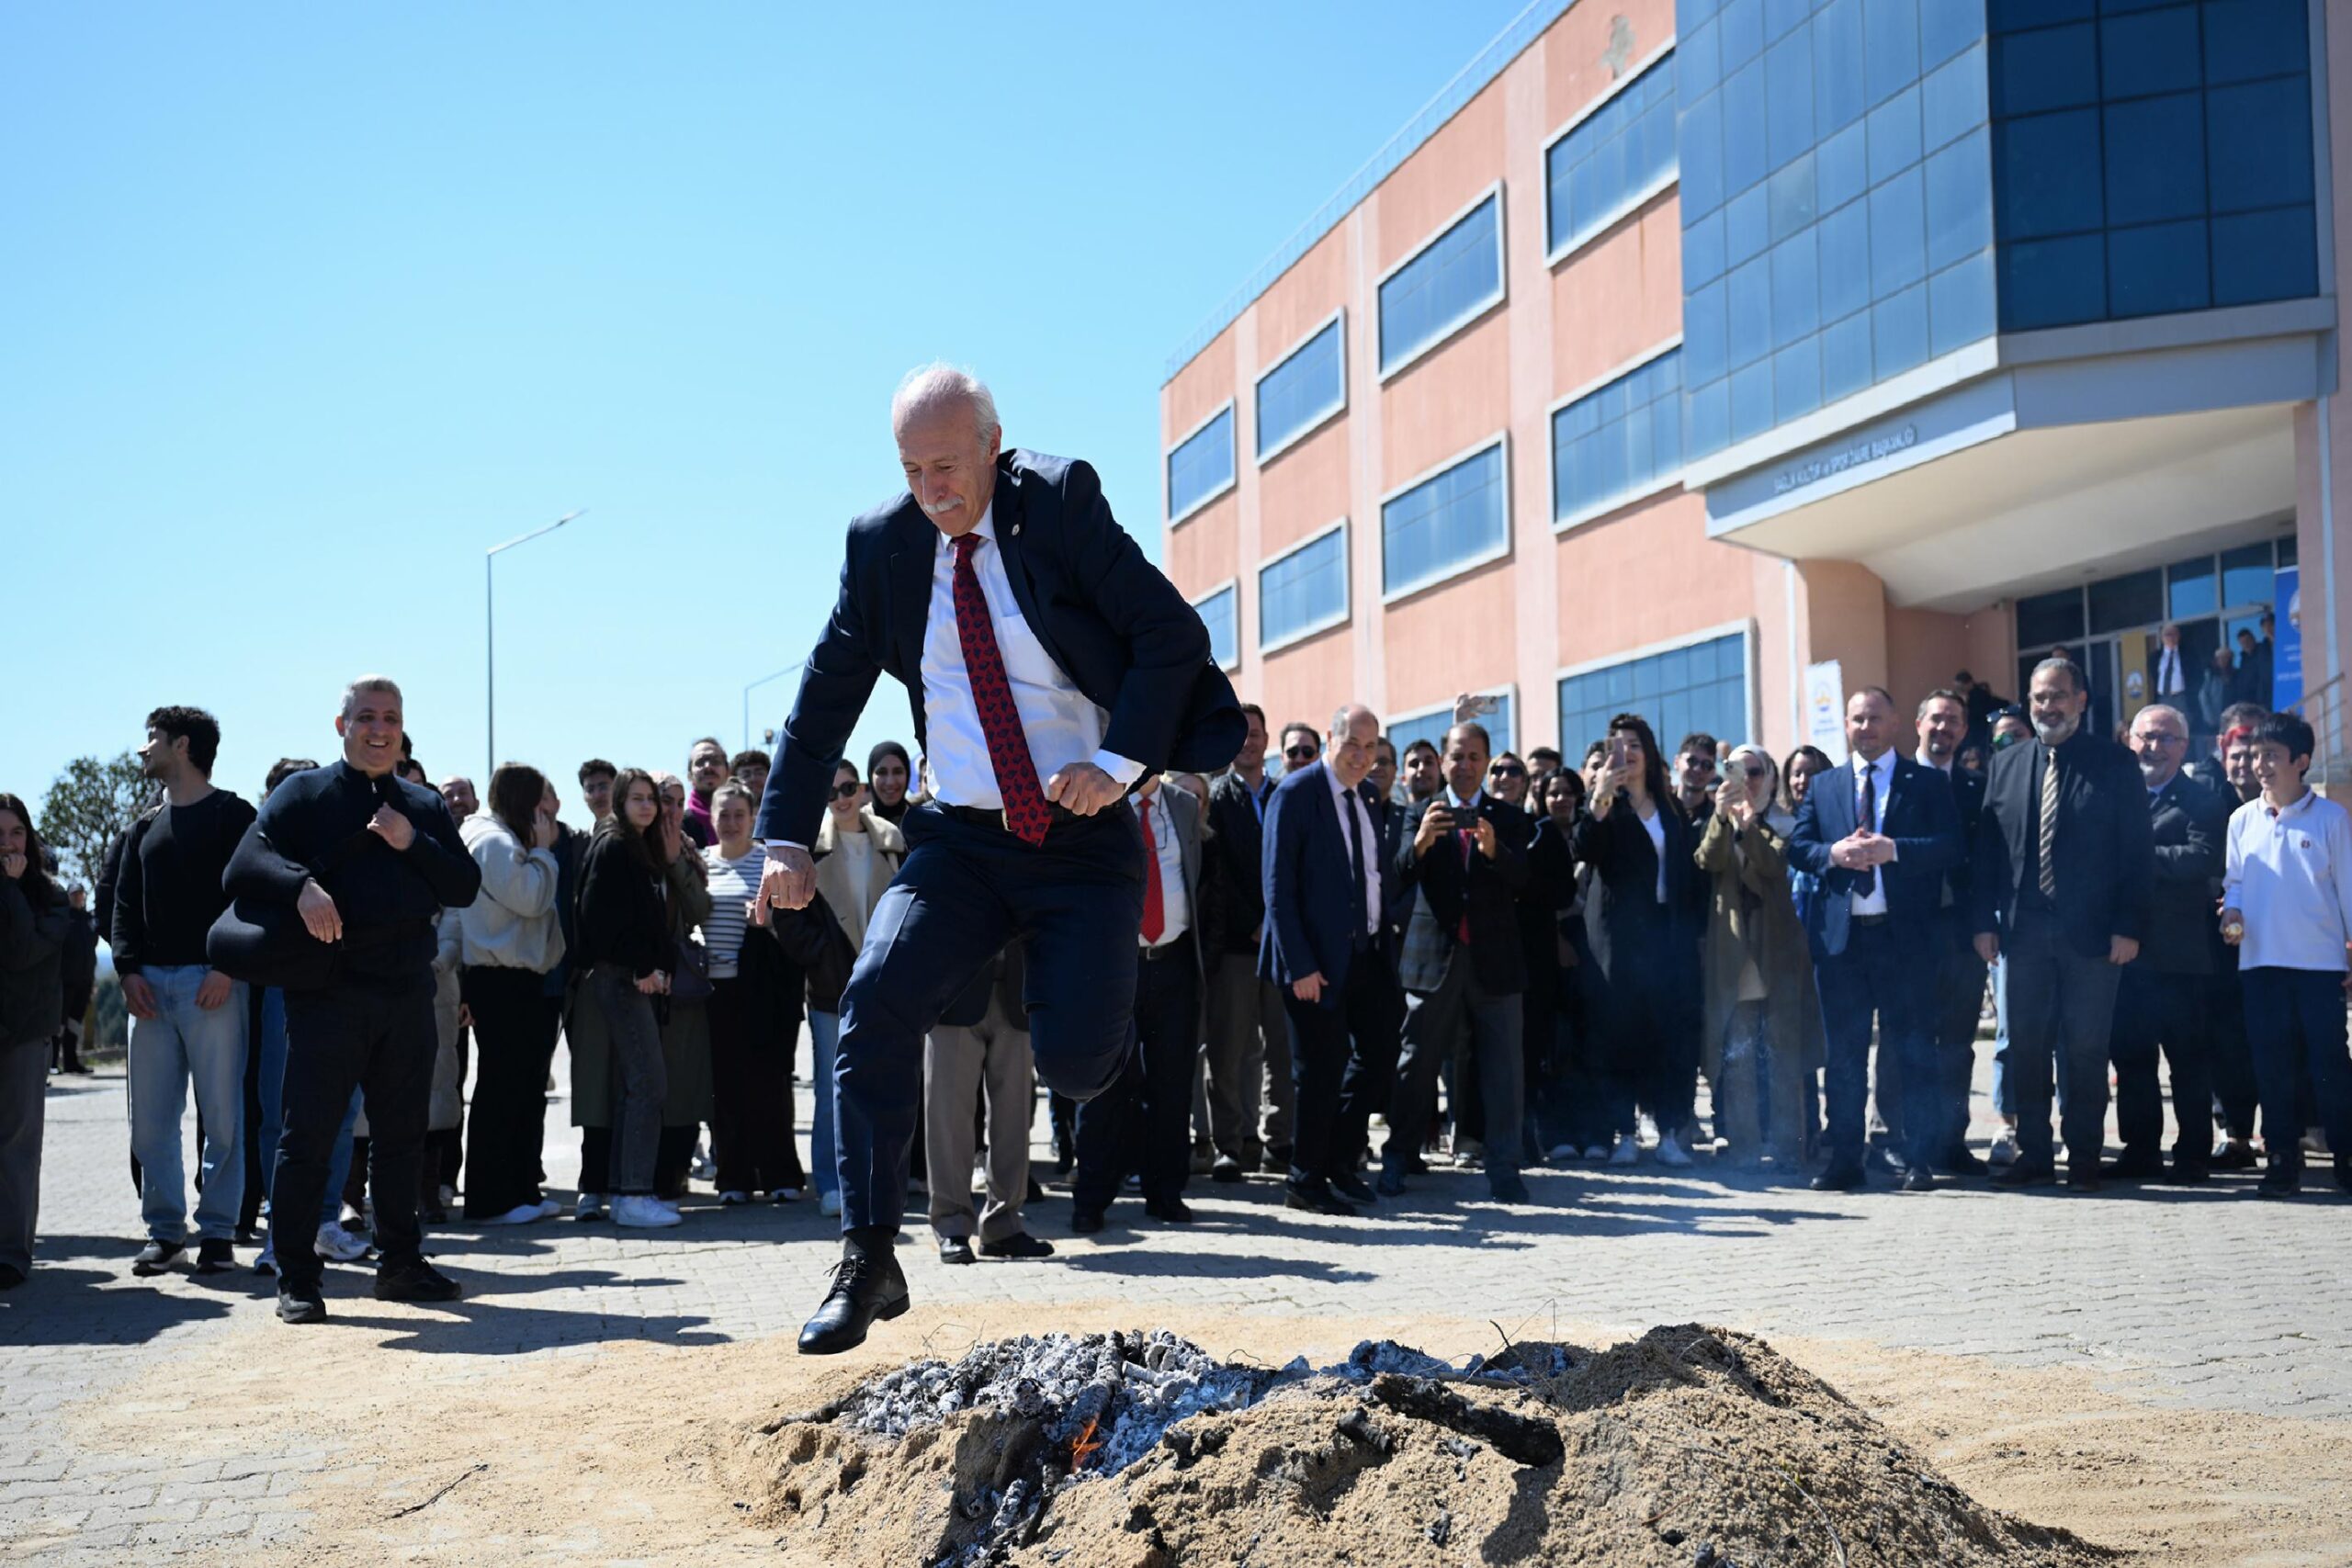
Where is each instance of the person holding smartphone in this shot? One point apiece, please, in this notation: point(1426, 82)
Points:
point(1643, 917)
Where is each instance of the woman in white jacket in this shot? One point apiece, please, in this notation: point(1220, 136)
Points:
point(509, 938)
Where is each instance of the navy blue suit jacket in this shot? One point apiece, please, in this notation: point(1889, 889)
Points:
point(1108, 618)
point(1917, 813)
point(1313, 906)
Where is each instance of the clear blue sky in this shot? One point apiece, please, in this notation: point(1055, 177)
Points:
point(304, 306)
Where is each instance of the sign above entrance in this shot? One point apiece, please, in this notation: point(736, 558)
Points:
point(1813, 470)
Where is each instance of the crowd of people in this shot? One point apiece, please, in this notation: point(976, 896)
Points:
point(1494, 961)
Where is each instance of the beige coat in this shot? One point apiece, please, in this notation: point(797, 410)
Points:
point(1751, 915)
point(851, 905)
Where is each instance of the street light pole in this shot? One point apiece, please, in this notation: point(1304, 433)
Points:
point(489, 639)
point(773, 675)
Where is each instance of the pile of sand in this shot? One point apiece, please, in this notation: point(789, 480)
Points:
point(1699, 1447)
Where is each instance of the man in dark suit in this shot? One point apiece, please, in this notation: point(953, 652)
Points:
point(1467, 852)
point(1960, 975)
point(1051, 667)
point(2063, 869)
point(1144, 1120)
point(1249, 1039)
point(2162, 999)
point(1323, 891)
point(1877, 836)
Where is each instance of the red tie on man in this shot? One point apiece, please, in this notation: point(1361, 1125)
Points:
point(1155, 913)
point(1026, 809)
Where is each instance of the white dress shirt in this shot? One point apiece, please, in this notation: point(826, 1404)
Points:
point(2172, 680)
point(2289, 874)
point(1175, 910)
point(1882, 775)
point(1351, 803)
point(1061, 726)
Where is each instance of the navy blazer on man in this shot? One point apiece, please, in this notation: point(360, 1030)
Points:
point(1313, 906)
point(1917, 813)
point(1115, 626)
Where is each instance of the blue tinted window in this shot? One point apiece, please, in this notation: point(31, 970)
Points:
point(1304, 590)
point(1458, 274)
point(1703, 253)
point(1709, 409)
point(1796, 380)
point(2246, 575)
point(2249, 38)
point(1705, 345)
point(1946, 26)
point(1838, 65)
point(1796, 291)
point(2055, 68)
point(1959, 304)
point(1899, 332)
point(1788, 85)
point(1846, 358)
point(2191, 583)
point(2049, 283)
point(1845, 261)
point(1751, 400)
point(2155, 158)
point(1626, 147)
point(1960, 200)
point(1790, 196)
point(1202, 467)
point(1895, 135)
point(2258, 138)
point(1842, 167)
point(2157, 267)
point(1751, 312)
point(1301, 389)
point(1618, 441)
point(1951, 101)
point(2266, 256)
point(1745, 128)
point(1890, 46)
point(1219, 613)
point(2046, 174)
point(1743, 25)
point(1678, 692)
point(1444, 523)
point(1702, 156)
point(1898, 233)
point(1699, 62)
point(1748, 224)
point(2149, 52)
point(1780, 15)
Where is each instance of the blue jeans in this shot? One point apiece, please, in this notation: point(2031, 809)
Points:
point(824, 1033)
point(185, 1043)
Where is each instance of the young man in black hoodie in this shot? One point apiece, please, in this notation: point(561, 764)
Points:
point(366, 859)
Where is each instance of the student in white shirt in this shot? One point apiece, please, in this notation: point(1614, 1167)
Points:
point(2287, 907)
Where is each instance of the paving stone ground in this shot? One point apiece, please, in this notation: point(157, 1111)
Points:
point(2201, 1297)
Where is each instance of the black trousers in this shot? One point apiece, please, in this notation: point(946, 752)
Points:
point(1145, 1117)
point(2061, 1009)
point(1342, 1065)
point(751, 1110)
point(1959, 1005)
point(382, 1042)
point(2155, 1011)
point(2234, 1089)
point(514, 1029)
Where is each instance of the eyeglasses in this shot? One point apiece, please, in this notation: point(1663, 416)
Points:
point(1754, 770)
point(842, 792)
point(1298, 753)
point(1507, 771)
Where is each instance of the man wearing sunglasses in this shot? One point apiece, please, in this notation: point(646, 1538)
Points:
point(1050, 666)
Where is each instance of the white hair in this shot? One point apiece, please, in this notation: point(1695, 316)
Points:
point(928, 386)
point(2161, 707)
point(368, 684)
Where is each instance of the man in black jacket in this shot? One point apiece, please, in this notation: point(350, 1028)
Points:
point(365, 859)
point(1249, 1038)
point(79, 969)
point(2162, 999)
point(1467, 852)
point(1942, 723)
point(2063, 867)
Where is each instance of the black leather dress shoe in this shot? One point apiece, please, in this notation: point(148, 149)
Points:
point(1959, 1161)
point(1022, 1245)
point(300, 1303)
point(1391, 1183)
point(1919, 1179)
point(2190, 1175)
point(1352, 1187)
point(1840, 1179)
point(214, 1256)
point(1508, 1187)
point(1174, 1210)
point(1318, 1201)
point(1277, 1160)
point(2084, 1180)
point(1226, 1169)
point(1887, 1160)
point(2026, 1175)
point(417, 1281)
point(956, 1249)
point(2132, 1166)
point(1085, 1221)
point(868, 1287)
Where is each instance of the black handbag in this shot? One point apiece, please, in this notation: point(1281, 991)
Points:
point(690, 976)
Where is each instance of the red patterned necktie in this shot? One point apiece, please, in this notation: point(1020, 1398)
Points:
point(1155, 914)
point(1025, 810)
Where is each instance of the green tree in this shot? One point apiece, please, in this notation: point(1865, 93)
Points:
point(87, 805)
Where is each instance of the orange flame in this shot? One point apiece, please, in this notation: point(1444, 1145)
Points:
point(1085, 1447)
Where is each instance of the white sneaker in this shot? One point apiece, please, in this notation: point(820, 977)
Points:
point(339, 1244)
point(1628, 1150)
point(1562, 1154)
point(642, 1212)
point(1469, 1154)
point(2004, 1148)
point(732, 1197)
point(590, 1206)
point(829, 1204)
point(2315, 1143)
point(1671, 1152)
point(1595, 1152)
point(520, 1214)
